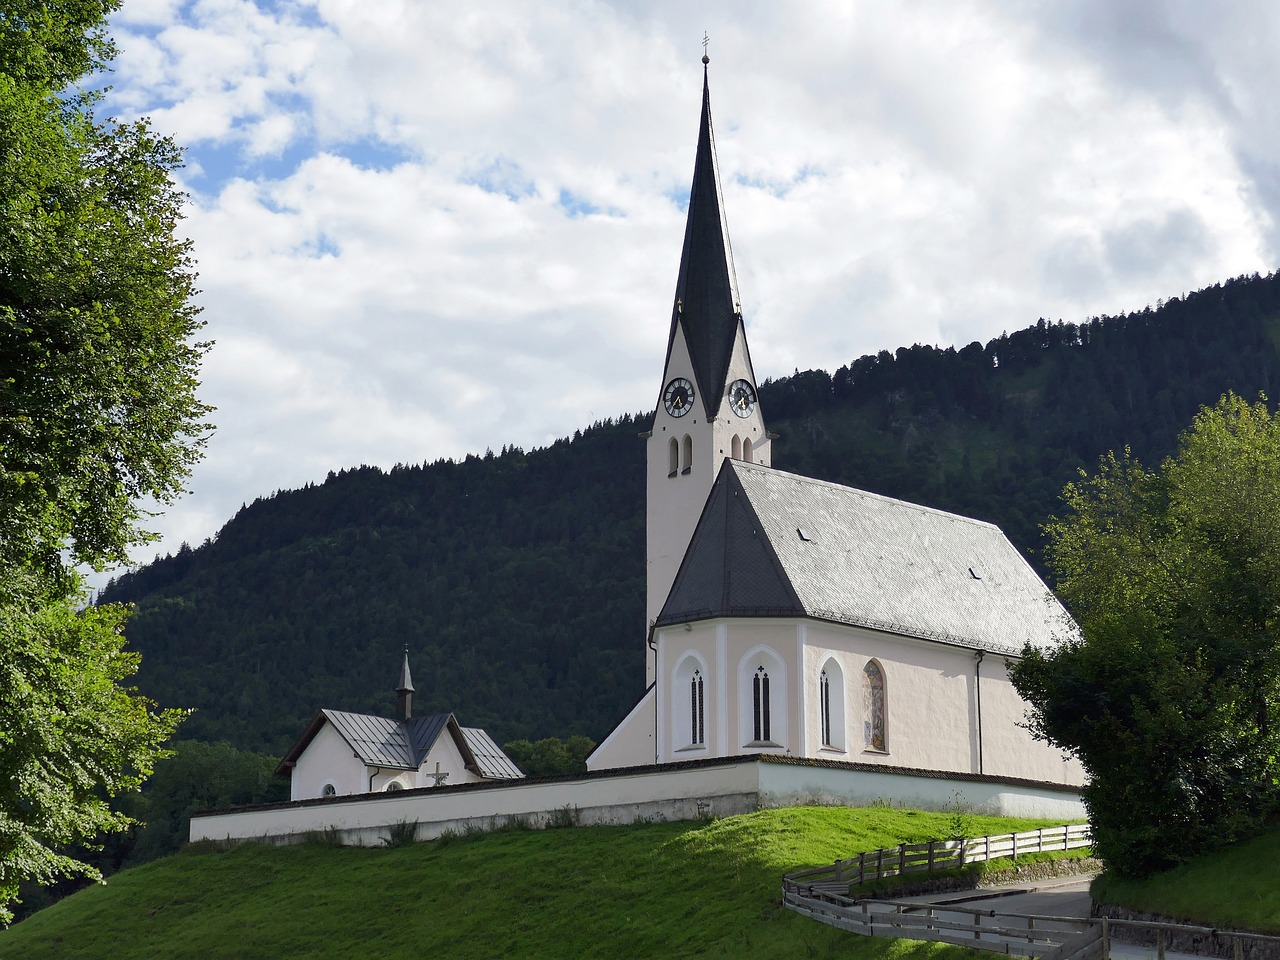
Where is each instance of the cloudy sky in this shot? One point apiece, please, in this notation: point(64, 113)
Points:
point(425, 229)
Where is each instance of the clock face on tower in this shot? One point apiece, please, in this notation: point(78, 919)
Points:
point(742, 398)
point(678, 397)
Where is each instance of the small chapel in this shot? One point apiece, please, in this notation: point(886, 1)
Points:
point(790, 616)
point(342, 753)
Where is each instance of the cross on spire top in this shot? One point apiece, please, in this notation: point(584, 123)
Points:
point(705, 40)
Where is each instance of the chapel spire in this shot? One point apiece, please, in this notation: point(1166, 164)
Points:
point(706, 306)
point(404, 692)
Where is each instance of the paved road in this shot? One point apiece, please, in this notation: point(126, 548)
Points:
point(1059, 897)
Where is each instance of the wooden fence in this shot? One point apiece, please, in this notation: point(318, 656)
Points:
point(1017, 934)
point(829, 894)
point(841, 876)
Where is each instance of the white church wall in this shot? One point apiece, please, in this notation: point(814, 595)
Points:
point(328, 759)
point(674, 503)
point(1008, 749)
point(631, 743)
point(628, 796)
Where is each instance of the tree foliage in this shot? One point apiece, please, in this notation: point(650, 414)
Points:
point(1169, 696)
point(98, 414)
point(551, 756)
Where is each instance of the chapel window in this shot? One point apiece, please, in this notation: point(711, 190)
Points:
point(328, 790)
point(746, 450)
point(674, 457)
point(873, 706)
point(688, 454)
point(760, 705)
point(831, 705)
point(735, 449)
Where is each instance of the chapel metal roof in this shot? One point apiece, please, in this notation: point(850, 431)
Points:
point(706, 301)
point(771, 543)
point(404, 745)
point(493, 763)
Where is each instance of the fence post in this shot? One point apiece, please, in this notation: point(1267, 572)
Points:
point(1106, 940)
point(931, 843)
point(977, 923)
point(902, 858)
point(1014, 838)
point(839, 872)
point(1160, 944)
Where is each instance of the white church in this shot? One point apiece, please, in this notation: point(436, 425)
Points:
point(805, 642)
point(794, 617)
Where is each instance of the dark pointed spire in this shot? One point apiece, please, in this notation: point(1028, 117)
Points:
point(404, 692)
point(706, 300)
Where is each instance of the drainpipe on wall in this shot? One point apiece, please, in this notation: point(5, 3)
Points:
point(977, 681)
point(654, 647)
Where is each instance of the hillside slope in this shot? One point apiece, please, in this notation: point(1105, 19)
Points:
point(649, 890)
point(516, 578)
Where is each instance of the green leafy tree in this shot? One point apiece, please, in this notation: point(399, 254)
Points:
point(1169, 696)
point(550, 757)
point(98, 415)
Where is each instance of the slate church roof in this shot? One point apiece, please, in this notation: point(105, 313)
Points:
point(707, 289)
point(771, 543)
point(404, 744)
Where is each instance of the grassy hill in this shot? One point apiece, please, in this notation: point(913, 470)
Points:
point(649, 890)
point(1235, 887)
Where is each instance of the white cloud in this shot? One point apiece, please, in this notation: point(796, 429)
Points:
point(427, 229)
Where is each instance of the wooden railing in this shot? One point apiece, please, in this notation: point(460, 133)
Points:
point(829, 894)
point(1008, 933)
point(843, 875)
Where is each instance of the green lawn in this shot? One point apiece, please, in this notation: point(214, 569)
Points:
point(1235, 887)
point(650, 890)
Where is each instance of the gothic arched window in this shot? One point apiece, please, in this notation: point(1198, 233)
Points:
point(873, 706)
point(674, 457)
point(697, 710)
point(746, 450)
point(760, 705)
point(735, 448)
point(831, 705)
point(688, 454)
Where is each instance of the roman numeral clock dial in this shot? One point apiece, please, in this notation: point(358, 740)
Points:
point(678, 397)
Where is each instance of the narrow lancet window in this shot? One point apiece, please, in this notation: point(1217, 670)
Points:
point(746, 450)
point(697, 704)
point(824, 698)
point(735, 449)
point(760, 704)
point(674, 457)
point(688, 454)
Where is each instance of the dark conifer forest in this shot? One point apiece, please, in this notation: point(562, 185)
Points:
point(516, 578)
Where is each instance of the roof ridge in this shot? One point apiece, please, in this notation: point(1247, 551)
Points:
point(763, 469)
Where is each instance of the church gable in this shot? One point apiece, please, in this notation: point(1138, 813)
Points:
point(730, 567)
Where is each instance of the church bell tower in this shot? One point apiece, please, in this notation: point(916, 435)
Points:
point(708, 407)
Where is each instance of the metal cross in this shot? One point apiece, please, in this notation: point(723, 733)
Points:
point(705, 40)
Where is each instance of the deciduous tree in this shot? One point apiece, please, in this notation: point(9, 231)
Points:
point(98, 415)
point(1170, 693)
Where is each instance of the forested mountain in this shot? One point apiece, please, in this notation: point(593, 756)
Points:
point(516, 579)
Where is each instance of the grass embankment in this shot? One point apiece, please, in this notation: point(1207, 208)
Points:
point(650, 890)
point(1234, 887)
